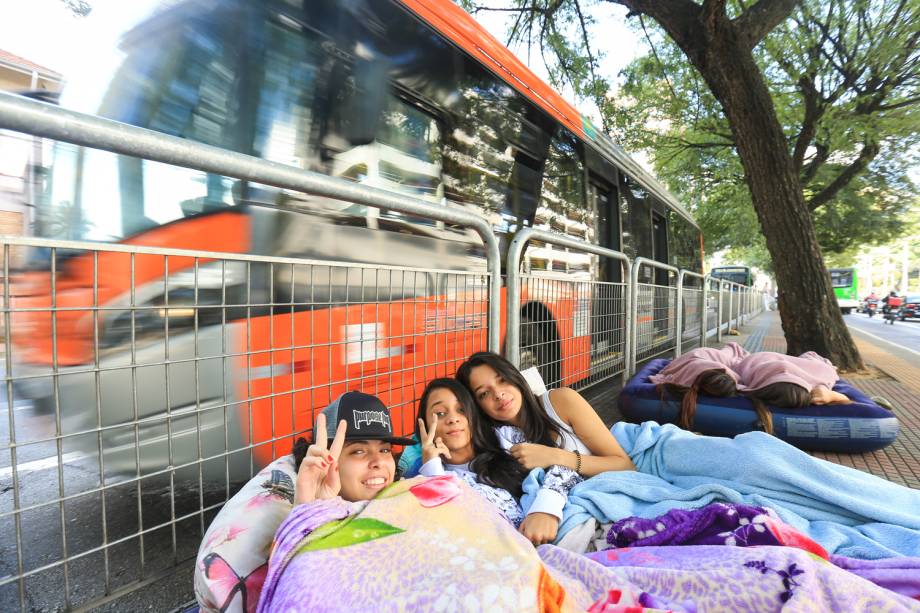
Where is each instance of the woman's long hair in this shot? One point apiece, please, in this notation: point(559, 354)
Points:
point(493, 465)
point(537, 426)
point(713, 382)
point(783, 395)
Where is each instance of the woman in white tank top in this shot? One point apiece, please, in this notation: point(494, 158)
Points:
point(560, 428)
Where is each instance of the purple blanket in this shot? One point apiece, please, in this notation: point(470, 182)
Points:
point(745, 526)
point(718, 578)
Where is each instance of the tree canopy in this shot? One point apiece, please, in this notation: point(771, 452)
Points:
point(845, 86)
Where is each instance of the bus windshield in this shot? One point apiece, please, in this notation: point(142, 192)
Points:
point(842, 277)
point(735, 274)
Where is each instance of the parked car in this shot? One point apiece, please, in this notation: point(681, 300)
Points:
point(911, 307)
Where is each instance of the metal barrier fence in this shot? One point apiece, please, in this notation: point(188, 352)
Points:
point(155, 380)
point(691, 311)
point(591, 317)
point(193, 378)
point(654, 310)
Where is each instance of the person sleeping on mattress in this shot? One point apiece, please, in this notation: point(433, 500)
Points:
point(766, 377)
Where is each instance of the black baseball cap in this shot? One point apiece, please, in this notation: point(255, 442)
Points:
point(367, 417)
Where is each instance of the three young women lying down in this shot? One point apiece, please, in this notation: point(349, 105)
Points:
point(357, 541)
point(766, 377)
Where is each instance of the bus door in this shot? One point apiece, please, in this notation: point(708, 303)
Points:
point(608, 306)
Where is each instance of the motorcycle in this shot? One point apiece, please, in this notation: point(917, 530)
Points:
point(890, 312)
point(871, 307)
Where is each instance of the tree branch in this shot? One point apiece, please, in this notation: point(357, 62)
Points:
point(677, 17)
point(754, 23)
point(809, 121)
point(821, 155)
point(868, 153)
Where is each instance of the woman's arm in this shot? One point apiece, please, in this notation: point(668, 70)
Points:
point(588, 427)
point(821, 394)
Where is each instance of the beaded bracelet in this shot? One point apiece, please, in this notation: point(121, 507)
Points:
point(577, 461)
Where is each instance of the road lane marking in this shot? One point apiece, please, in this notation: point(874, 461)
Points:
point(884, 340)
point(42, 464)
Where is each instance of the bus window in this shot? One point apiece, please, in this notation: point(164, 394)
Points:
point(637, 224)
point(562, 203)
point(844, 282)
point(603, 204)
point(660, 246)
point(683, 243)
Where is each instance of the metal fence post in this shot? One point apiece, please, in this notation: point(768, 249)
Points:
point(513, 266)
point(680, 312)
point(634, 281)
point(704, 310)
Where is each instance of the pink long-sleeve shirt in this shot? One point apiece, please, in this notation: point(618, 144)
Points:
point(809, 370)
point(686, 368)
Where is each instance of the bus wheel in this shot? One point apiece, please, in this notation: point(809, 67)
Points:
point(540, 347)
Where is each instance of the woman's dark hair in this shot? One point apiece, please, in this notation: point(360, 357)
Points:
point(493, 465)
point(783, 395)
point(537, 426)
point(714, 382)
point(301, 445)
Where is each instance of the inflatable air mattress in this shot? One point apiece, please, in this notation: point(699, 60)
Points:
point(850, 428)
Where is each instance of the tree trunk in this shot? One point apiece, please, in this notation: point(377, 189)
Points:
point(811, 319)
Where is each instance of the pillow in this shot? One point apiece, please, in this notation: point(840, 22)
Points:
point(233, 557)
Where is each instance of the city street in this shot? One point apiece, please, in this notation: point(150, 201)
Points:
point(901, 339)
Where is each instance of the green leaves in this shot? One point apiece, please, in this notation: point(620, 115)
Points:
point(844, 76)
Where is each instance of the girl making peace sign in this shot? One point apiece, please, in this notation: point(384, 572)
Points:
point(359, 463)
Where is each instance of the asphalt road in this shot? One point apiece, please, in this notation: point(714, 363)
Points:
point(901, 339)
point(88, 520)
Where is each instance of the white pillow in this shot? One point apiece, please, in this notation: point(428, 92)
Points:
point(534, 380)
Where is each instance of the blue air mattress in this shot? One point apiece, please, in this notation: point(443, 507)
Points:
point(851, 428)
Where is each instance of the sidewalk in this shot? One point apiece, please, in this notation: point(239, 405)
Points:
point(887, 376)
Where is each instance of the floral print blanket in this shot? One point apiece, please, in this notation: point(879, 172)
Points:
point(433, 544)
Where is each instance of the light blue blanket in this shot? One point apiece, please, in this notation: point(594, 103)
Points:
point(849, 512)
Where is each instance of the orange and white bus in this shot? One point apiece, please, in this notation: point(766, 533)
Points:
point(147, 352)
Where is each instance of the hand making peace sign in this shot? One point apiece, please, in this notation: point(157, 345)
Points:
point(318, 477)
point(431, 447)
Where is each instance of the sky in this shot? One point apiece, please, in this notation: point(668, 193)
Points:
point(47, 32)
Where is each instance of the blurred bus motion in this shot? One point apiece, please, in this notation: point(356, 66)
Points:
point(158, 360)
